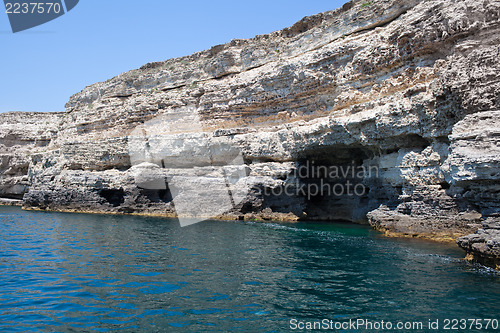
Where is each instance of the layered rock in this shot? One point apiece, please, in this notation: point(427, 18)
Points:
point(22, 134)
point(484, 245)
point(407, 90)
point(470, 184)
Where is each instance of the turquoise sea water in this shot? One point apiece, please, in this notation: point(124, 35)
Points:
point(93, 273)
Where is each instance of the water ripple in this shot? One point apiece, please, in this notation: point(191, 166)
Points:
point(88, 273)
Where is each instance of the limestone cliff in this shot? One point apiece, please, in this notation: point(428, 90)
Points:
point(22, 134)
point(408, 87)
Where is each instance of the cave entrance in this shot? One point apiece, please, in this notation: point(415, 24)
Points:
point(337, 181)
point(114, 197)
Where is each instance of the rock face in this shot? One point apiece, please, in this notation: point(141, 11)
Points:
point(384, 112)
point(22, 134)
point(471, 184)
point(484, 245)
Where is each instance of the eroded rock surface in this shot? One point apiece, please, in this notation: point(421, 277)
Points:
point(22, 134)
point(484, 245)
point(408, 87)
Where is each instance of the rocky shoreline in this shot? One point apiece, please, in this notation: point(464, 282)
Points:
point(407, 88)
point(484, 245)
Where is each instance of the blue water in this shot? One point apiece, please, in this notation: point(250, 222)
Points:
point(93, 273)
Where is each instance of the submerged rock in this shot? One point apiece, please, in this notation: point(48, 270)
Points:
point(484, 245)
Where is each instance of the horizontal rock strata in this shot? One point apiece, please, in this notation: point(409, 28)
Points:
point(484, 245)
point(21, 135)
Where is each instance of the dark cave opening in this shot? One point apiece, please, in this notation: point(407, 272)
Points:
point(115, 197)
point(336, 182)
